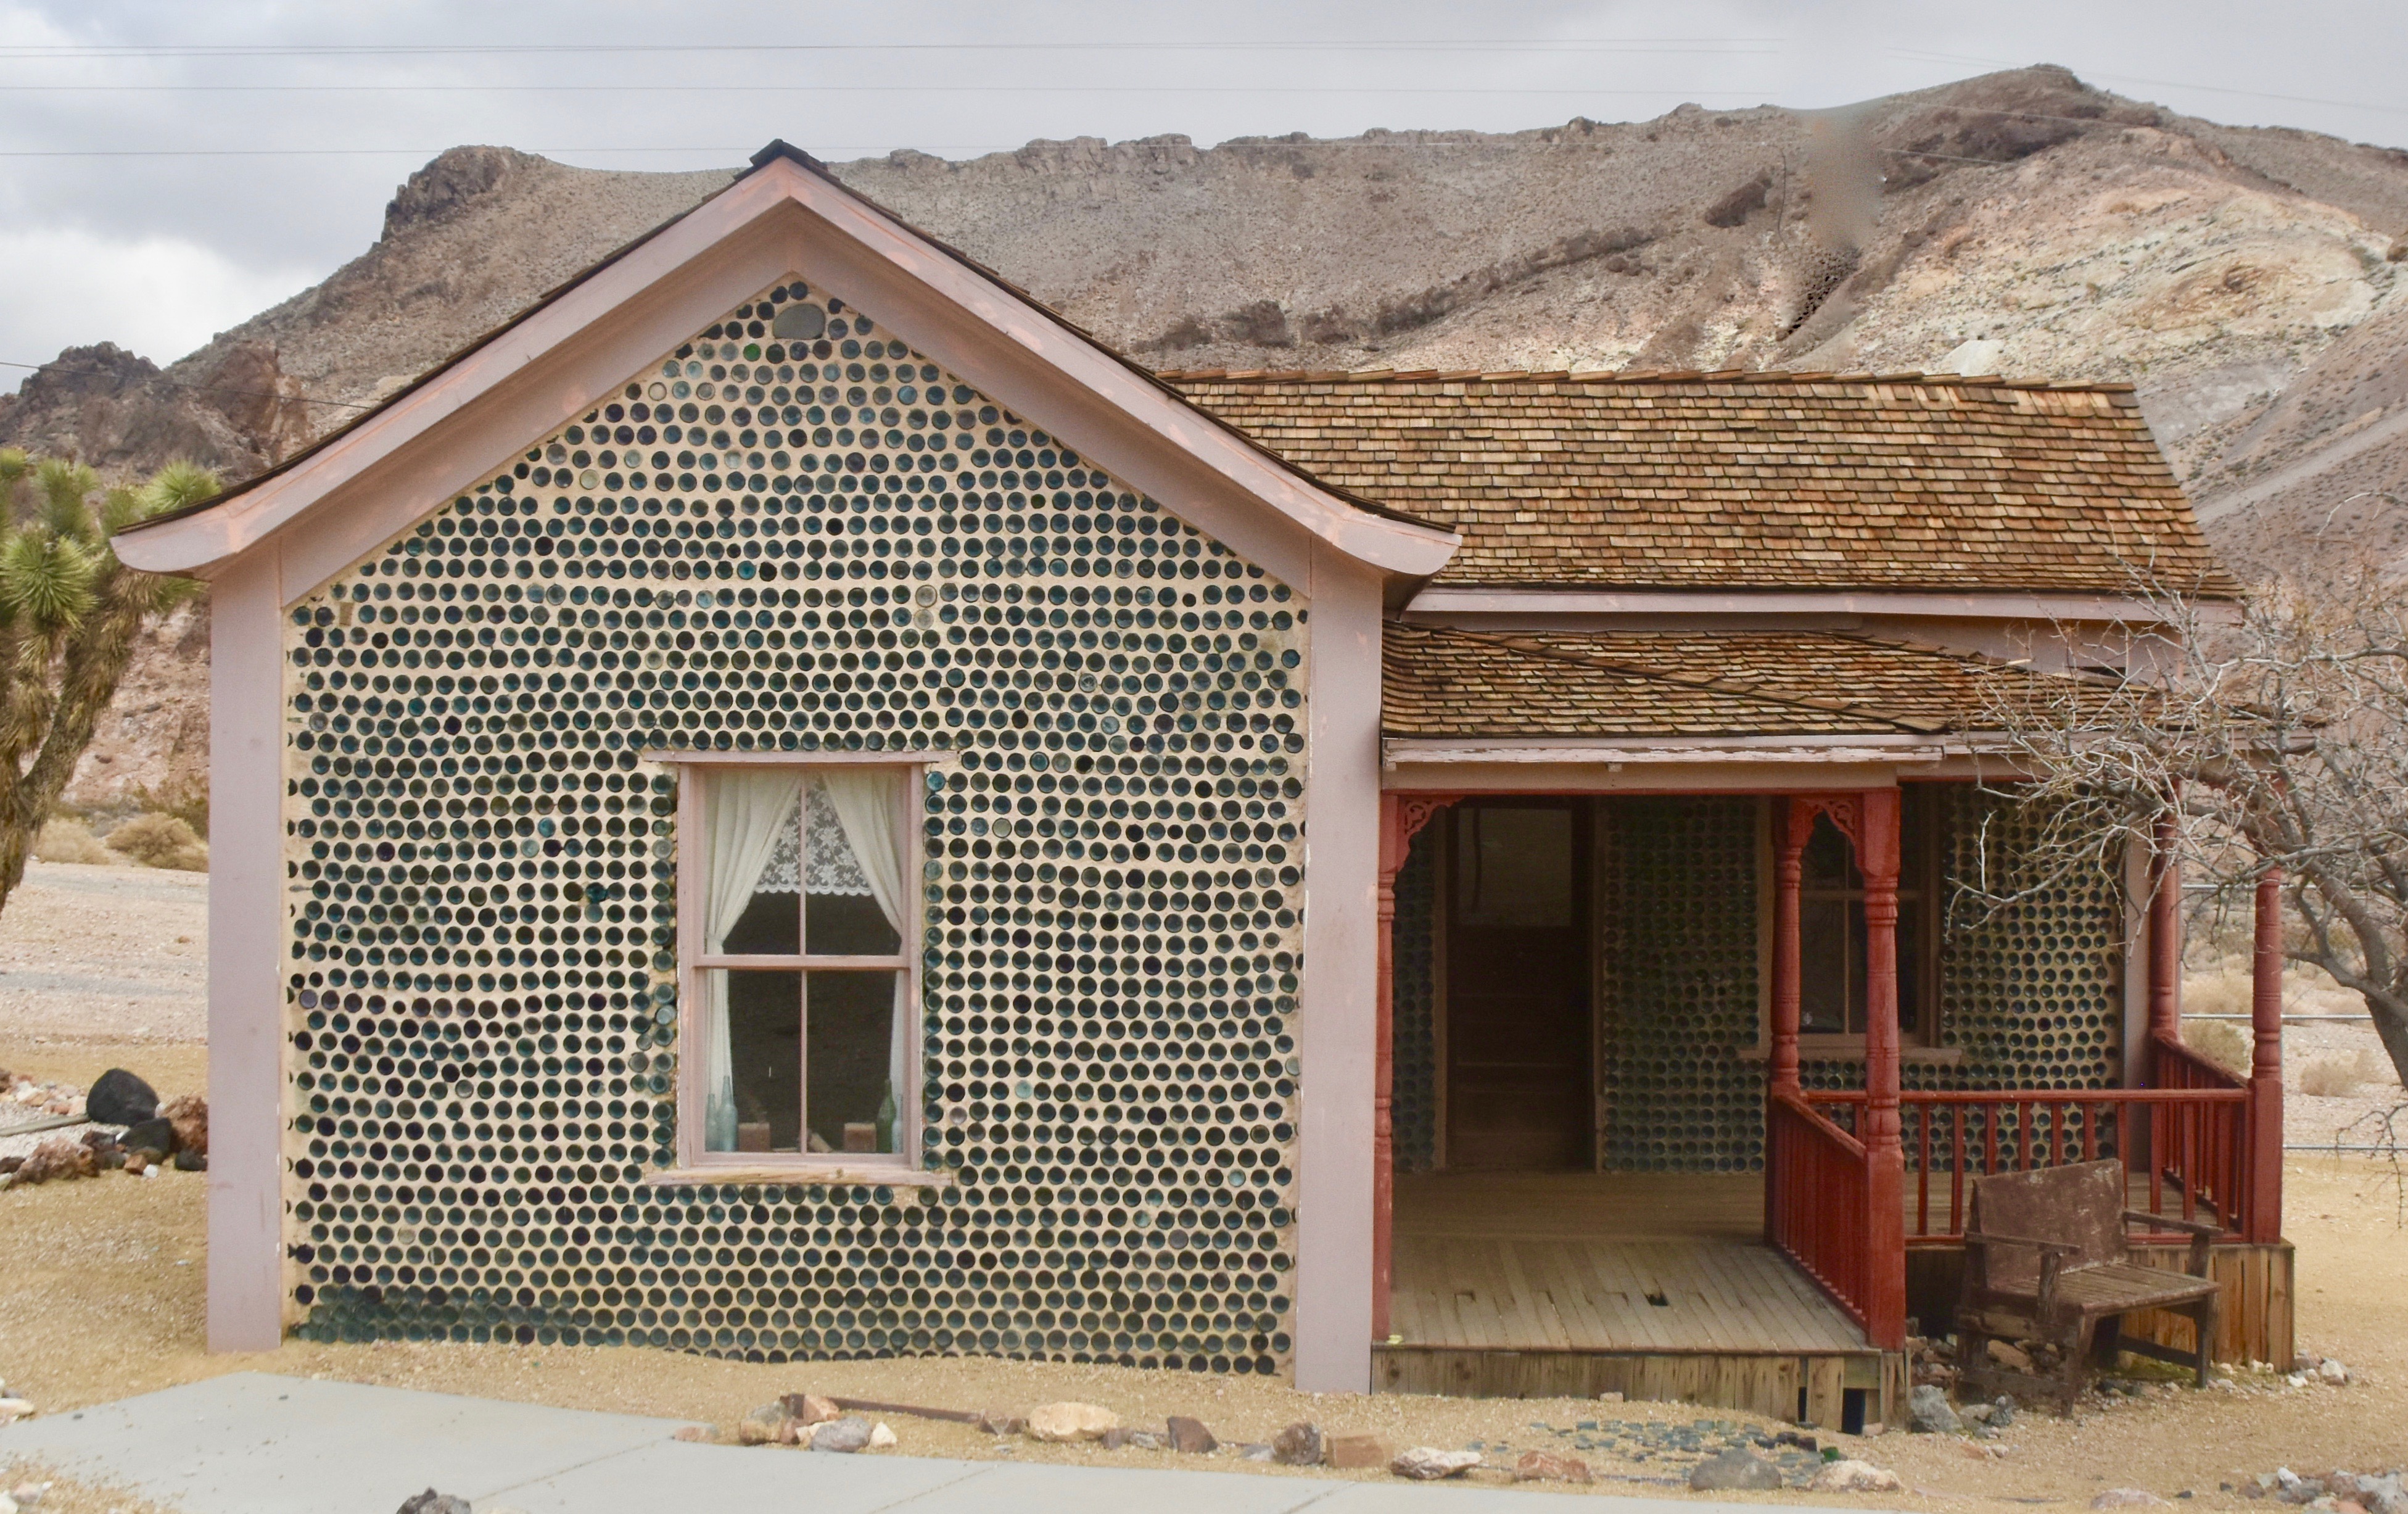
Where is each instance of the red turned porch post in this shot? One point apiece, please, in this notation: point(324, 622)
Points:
point(1789, 867)
point(1877, 860)
point(2264, 1217)
point(2165, 937)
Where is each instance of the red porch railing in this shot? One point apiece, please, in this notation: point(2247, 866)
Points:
point(1818, 1200)
point(2184, 1146)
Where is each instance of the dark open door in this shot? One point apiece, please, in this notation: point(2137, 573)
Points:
point(1518, 1020)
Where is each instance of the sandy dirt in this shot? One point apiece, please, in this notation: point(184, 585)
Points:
point(101, 1284)
point(102, 1290)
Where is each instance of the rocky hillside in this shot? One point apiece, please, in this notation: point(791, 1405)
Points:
point(2020, 222)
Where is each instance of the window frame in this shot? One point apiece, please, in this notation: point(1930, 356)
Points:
point(1921, 1043)
point(695, 1165)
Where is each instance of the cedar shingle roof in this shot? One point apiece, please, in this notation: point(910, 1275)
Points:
point(1746, 479)
point(1445, 682)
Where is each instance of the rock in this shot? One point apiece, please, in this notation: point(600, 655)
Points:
point(881, 1439)
point(2011, 1356)
point(768, 1425)
point(1427, 1463)
point(1975, 1413)
point(1115, 1438)
point(14, 1409)
point(192, 1161)
point(809, 1408)
point(29, 1495)
point(1852, 1477)
point(1189, 1435)
point(1144, 1440)
point(1255, 1451)
point(1000, 1422)
point(1737, 1467)
point(189, 1113)
point(1353, 1452)
point(429, 1502)
point(119, 1098)
point(55, 1160)
point(2002, 1412)
point(153, 1134)
point(1298, 1445)
point(1546, 1466)
point(846, 1435)
point(695, 1435)
point(1070, 1421)
point(1927, 1411)
point(2332, 1373)
point(1798, 1438)
point(2126, 1498)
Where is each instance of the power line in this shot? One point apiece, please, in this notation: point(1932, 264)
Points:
point(832, 88)
point(1706, 45)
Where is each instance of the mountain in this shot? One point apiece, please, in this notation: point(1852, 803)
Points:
point(2247, 279)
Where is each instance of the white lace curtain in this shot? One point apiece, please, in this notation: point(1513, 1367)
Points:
point(868, 803)
point(744, 812)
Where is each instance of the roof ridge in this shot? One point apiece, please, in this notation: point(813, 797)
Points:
point(1598, 376)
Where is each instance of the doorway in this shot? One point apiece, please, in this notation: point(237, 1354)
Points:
point(1519, 1021)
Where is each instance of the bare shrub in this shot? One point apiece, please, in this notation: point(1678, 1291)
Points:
point(2220, 1042)
point(2333, 1077)
point(69, 840)
point(160, 841)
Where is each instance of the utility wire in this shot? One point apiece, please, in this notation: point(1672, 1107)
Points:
point(1708, 45)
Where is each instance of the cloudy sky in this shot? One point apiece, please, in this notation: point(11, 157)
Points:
point(168, 169)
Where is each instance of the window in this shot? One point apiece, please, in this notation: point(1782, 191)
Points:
point(800, 905)
point(1831, 926)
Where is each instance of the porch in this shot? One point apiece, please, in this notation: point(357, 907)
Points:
point(1779, 1271)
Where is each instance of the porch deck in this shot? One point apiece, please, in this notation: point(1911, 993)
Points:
point(1654, 1285)
point(1600, 1262)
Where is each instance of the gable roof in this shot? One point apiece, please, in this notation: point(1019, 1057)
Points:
point(789, 208)
point(1444, 682)
point(1787, 480)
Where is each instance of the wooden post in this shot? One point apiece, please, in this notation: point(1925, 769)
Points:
point(1781, 1072)
point(1877, 859)
point(1383, 1085)
point(2263, 1219)
point(1401, 818)
point(2165, 939)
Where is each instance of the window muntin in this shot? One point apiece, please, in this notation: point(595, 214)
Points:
point(1831, 935)
point(801, 882)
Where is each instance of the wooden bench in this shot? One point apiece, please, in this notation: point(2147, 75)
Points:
point(2047, 1259)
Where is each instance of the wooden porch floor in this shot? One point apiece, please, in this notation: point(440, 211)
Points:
point(1600, 1262)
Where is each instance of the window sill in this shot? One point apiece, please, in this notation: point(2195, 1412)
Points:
point(799, 1175)
point(1911, 1055)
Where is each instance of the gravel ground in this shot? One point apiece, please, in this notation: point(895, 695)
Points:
point(101, 1296)
point(101, 1290)
point(108, 954)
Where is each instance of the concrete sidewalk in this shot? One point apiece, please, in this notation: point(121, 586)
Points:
point(253, 1444)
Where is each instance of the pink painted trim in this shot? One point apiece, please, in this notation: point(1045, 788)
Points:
point(1439, 602)
point(528, 378)
point(246, 953)
point(1338, 1022)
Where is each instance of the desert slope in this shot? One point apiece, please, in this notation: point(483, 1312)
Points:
point(2022, 222)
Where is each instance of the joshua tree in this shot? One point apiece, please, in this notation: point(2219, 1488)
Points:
point(70, 616)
